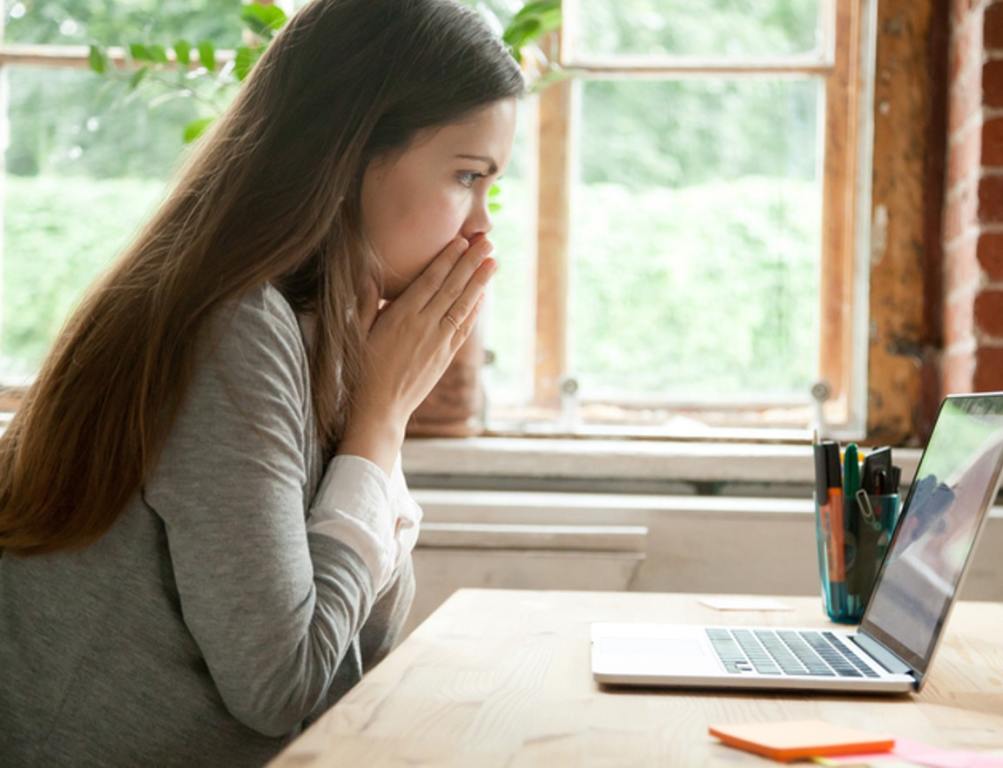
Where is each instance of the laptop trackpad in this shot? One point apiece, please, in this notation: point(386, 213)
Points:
point(673, 651)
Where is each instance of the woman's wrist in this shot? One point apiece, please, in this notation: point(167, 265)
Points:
point(376, 438)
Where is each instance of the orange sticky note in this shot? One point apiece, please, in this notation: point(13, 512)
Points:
point(797, 739)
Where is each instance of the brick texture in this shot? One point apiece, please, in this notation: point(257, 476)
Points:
point(965, 98)
point(961, 211)
point(991, 144)
point(965, 156)
point(962, 267)
point(973, 204)
point(957, 372)
point(988, 312)
point(993, 31)
point(966, 49)
point(989, 252)
point(990, 200)
point(959, 320)
point(988, 370)
point(992, 84)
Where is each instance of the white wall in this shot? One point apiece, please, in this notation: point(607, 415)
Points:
point(634, 542)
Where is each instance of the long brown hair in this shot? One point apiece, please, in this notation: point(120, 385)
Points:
point(271, 194)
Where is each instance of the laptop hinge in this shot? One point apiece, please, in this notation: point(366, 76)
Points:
point(882, 655)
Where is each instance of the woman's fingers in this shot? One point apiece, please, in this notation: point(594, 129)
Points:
point(465, 305)
point(413, 339)
point(466, 271)
point(467, 325)
point(421, 291)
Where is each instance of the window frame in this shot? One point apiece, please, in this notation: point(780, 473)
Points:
point(848, 71)
point(43, 55)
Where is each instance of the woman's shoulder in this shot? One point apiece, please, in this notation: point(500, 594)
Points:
point(261, 306)
point(259, 331)
point(262, 311)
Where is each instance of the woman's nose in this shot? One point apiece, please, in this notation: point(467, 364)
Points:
point(479, 222)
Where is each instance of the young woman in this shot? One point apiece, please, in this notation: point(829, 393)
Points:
point(205, 531)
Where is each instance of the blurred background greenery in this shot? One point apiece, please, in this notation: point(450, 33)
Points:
point(695, 212)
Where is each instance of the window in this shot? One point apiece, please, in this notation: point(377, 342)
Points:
point(698, 184)
point(85, 163)
point(668, 218)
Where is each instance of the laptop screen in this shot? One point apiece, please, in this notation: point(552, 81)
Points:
point(948, 500)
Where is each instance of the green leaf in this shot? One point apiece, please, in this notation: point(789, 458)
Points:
point(532, 22)
point(244, 60)
point(183, 52)
point(541, 8)
point(196, 128)
point(494, 198)
point(554, 74)
point(158, 53)
point(137, 77)
point(97, 59)
point(263, 20)
point(207, 55)
point(519, 34)
point(139, 52)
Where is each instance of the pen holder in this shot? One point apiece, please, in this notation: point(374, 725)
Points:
point(852, 538)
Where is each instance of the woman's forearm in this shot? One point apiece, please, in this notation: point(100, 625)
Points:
point(375, 438)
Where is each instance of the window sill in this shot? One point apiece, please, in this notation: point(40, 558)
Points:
point(615, 465)
point(638, 466)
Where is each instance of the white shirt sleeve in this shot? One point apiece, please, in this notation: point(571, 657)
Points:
point(353, 505)
point(408, 512)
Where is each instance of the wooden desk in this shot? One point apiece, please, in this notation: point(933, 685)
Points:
point(502, 678)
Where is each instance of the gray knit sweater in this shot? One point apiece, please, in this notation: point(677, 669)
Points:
point(207, 627)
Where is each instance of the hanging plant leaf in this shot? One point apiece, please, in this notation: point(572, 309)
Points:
point(183, 52)
point(97, 59)
point(520, 33)
point(207, 55)
point(158, 53)
point(263, 20)
point(547, 11)
point(532, 22)
point(494, 198)
point(244, 60)
point(139, 52)
point(137, 77)
point(196, 128)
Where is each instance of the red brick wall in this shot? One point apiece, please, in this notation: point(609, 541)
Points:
point(973, 206)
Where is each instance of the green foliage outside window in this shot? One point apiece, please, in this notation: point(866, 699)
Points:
point(695, 212)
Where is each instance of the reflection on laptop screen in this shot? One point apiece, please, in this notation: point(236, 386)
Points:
point(935, 537)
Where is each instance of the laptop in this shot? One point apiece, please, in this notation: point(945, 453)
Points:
point(893, 649)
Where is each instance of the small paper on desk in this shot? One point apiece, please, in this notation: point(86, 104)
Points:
point(914, 753)
point(744, 603)
point(800, 739)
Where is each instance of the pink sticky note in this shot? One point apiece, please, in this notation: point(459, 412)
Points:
point(917, 753)
point(934, 757)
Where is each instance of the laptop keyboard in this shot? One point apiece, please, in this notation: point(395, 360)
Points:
point(786, 652)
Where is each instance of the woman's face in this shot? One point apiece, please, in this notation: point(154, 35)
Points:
point(414, 203)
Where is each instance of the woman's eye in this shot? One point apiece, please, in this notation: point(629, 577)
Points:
point(467, 178)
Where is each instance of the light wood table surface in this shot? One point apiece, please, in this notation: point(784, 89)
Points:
point(502, 678)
